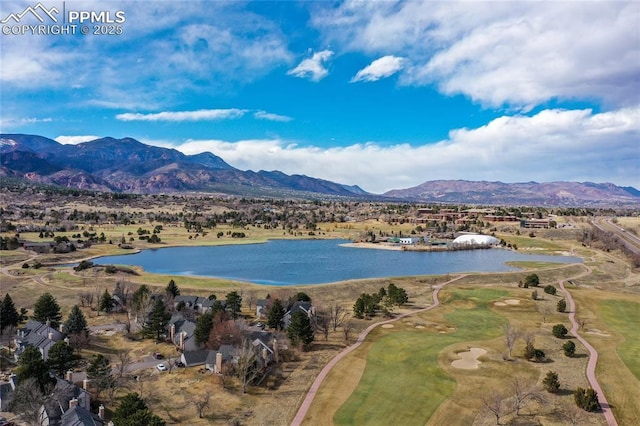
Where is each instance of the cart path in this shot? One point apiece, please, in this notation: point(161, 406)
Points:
point(313, 390)
point(593, 354)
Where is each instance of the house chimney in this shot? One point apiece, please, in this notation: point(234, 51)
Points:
point(50, 335)
point(73, 403)
point(265, 354)
point(172, 331)
point(61, 328)
point(69, 376)
point(181, 344)
point(85, 384)
point(48, 322)
point(218, 362)
point(101, 412)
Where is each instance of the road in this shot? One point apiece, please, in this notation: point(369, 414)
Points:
point(593, 354)
point(315, 386)
point(630, 240)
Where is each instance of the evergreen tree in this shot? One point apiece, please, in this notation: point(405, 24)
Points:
point(204, 325)
point(133, 411)
point(397, 296)
point(31, 365)
point(569, 348)
point(9, 316)
point(76, 321)
point(99, 373)
point(106, 303)
point(76, 328)
point(61, 358)
point(587, 399)
point(172, 289)
point(300, 330)
point(158, 320)
point(559, 331)
point(275, 316)
point(551, 383)
point(531, 281)
point(47, 309)
point(562, 305)
point(234, 303)
point(302, 297)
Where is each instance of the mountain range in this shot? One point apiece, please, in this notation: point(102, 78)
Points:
point(127, 165)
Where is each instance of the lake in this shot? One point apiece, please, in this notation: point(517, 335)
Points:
point(300, 262)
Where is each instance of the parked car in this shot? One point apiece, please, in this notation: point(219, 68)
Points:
point(161, 367)
point(158, 355)
point(179, 363)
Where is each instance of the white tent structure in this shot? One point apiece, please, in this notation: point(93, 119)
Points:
point(476, 240)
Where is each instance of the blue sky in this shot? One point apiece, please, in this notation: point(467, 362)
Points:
point(380, 94)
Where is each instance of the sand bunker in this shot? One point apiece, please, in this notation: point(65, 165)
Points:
point(598, 332)
point(387, 326)
point(468, 360)
point(507, 302)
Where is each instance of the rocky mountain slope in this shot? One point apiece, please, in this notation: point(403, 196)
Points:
point(127, 165)
point(526, 193)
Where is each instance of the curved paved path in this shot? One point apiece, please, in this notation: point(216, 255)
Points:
point(593, 354)
point(313, 390)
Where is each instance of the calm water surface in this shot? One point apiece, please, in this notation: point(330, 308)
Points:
point(294, 262)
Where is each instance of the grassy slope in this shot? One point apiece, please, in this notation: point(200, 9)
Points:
point(624, 316)
point(402, 379)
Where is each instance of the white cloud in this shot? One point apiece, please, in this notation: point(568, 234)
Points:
point(198, 115)
point(380, 68)
point(518, 54)
point(264, 115)
point(572, 145)
point(312, 68)
point(74, 140)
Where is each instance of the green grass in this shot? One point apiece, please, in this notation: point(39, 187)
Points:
point(624, 317)
point(402, 380)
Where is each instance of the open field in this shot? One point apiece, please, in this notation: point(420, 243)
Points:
point(402, 372)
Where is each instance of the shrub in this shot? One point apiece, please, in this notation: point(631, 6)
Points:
point(551, 382)
point(534, 295)
point(569, 348)
point(550, 290)
point(538, 355)
point(25, 266)
point(559, 331)
point(532, 280)
point(587, 399)
point(562, 305)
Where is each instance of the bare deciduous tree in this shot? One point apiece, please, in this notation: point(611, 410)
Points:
point(511, 335)
point(246, 364)
point(524, 392)
point(123, 360)
point(27, 400)
point(494, 402)
point(347, 326)
point(251, 298)
point(337, 316)
point(320, 322)
point(201, 402)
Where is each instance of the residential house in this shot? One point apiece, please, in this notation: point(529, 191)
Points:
point(198, 304)
point(408, 240)
point(182, 333)
point(6, 392)
point(262, 308)
point(305, 307)
point(264, 344)
point(216, 359)
point(65, 396)
point(194, 358)
point(38, 335)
